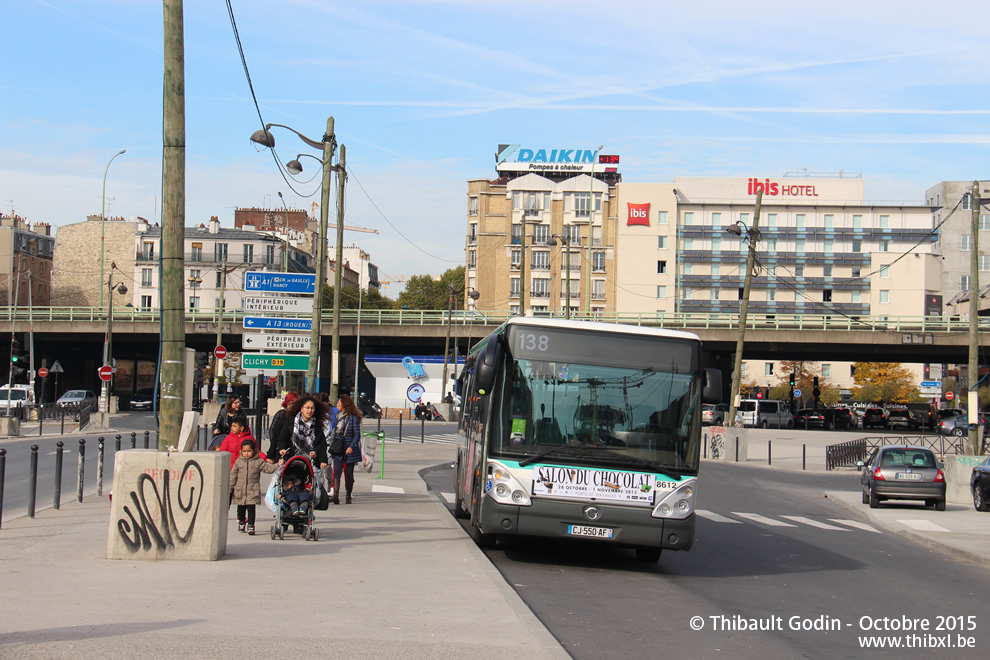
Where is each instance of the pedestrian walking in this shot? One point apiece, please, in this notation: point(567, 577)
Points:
point(303, 431)
point(230, 410)
point(278, 420)
point(345, 446)
point(245, 484)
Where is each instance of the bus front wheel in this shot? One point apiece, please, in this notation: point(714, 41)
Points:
point(483, 540)
point(648, 554)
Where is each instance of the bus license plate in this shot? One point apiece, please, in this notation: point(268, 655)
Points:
point(596, 532)
point(912, 476)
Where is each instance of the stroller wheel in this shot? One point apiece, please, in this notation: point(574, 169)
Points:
point(305, 534)
point(273, 532)
point(281, 534)
point(316, 534)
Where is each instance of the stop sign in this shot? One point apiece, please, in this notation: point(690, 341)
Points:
point(42, 372)
point(948, 396)
point(106, 373)
point(220, 352)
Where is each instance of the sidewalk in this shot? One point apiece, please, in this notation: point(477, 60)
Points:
point(393, 575)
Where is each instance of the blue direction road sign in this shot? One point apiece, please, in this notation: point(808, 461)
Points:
point(932, 383)
point(267, 323)
point(280, 282)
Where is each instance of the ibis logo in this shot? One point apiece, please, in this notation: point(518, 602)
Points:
point(639, 214)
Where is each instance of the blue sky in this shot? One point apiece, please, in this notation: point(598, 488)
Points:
point(423, 92)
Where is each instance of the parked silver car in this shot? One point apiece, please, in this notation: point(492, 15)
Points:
point(896, 472)
point(714, 414)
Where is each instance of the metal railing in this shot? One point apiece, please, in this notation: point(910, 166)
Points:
point(845, 454)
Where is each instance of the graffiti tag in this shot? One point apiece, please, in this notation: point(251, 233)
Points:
point(144, 531)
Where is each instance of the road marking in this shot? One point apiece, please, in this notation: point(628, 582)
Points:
point(388, 489)
point(923, 526)
point(815, 523)
point(857, 524)
point(755, 517)
point(450, 497)
point(714, 517)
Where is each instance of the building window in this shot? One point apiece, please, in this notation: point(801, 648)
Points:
point(688, 217)
point(688, 267)
point(964, 242)
point(661, 267)
point(744, 218)
point(197, 252)
point(828, 246)
point(799, 270)
point(513, 309)
point(771, 295)
point(193, 303)
point(598, 262)
point(771, 271)
point(596, 235)
point(581, 203)
point(716, 220)
point(145, 302)
point(885, 272)
point(148, 251)
point(716, 270)
point(799, 246)
point(854, 271)
point(195, 279)
point(799, 220)
point(662, 292)
point(146, 277)
point(857, 245)
point(826, 371)
point(248, 254)
point(855, 296)
point(884, 221)
point(514, 287)
point(827, 295)
point(540, 234)
point(221, 279)
point(661, 242)
point(472, 206)
point(967, 202)
point(220, 251)
point(540, 260)
point(472, 257)
point(771, 219)
point(827, 270)
point(661, 217)
point(269, 254)
point(533, 203)
point(984, 222)
point(984, 262)
point(598, 201)
point(768, 368)
point(742, 292)
point(573, 234)
point(828, 220)
point(686, 293)
point(771, 245)
point(714, 294)
point(473, 233)
point(857, 222)
point(964, 283)
point(884, 296)
point(598, 289)
point(716, 243)
point(884, 245)
point(541, 287)
point(688, 243)
point(516, 235)
point(514, 259)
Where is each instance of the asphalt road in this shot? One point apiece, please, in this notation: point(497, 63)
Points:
point(769, 548)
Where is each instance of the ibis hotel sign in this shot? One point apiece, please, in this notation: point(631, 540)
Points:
point(515, 158)
point(779, 188)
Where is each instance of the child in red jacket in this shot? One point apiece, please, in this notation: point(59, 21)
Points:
point(235, 439)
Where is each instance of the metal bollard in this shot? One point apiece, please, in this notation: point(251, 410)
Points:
point(400, 427)
point(147, 438)
point(82, 469)
point(3, 470)
point(737, 449)
point(769, 452)
point(133, 439)
point(41, 421)
point(57, 502)
point(804, 456)
point(116, 445)
point(422, 431)
point(379, 424)
point(62, 411)
point(33, 480)
point(99, 467)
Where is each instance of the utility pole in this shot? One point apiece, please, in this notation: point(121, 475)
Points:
point(329, 143)
point(338, 272)
point(973, 371)
point(751, 236)
point(217, 362)
point(173, 228)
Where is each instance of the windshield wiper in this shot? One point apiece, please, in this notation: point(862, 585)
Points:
point(539, 457)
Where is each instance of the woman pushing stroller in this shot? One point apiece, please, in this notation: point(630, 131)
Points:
point(302, 433)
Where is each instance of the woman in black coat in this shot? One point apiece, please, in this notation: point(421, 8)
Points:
point(278, 421)
point(303, 431)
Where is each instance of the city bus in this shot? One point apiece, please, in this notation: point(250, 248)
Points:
point(582, 430)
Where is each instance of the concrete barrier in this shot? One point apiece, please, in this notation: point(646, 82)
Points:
point(958, 470)
point(10, 426)
point(724, 443)
point(169, 505)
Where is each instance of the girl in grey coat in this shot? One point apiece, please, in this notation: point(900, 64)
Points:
point(245, 484)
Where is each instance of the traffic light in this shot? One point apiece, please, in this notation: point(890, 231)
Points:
point(16, 359)
point(792, 378)
point(816, 392)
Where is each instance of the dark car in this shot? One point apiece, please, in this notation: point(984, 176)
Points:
point(979, 484)
point(809, 418)
point(896, 472)
point(903, 419)
point(838, 418)
point(142, 399)
point(875, 417)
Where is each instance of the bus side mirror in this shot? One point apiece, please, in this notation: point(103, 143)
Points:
point(487, 368)
point(712, 390)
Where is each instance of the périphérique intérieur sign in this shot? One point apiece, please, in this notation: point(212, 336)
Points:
point(280, 282)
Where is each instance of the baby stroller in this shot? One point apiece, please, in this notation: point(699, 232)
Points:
point(299, 468)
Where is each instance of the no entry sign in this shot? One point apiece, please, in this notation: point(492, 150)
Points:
point(220, 352)
point(42, 372)
point(106, 373)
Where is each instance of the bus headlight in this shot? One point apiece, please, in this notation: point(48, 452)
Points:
point(678, 504)
point(507, 489)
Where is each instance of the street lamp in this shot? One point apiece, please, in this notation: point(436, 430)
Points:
point(473, 295)
point(752, 237)
point(108, 337)
point(103, 238)
point(591, 221)
point(565, 243)
point(328, 144)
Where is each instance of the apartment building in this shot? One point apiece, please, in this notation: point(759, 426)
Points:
point(26, 257)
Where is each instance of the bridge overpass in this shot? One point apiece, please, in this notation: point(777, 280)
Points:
point(74, 335)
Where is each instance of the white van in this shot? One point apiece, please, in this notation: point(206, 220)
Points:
point(765, 413)
point(12, 396)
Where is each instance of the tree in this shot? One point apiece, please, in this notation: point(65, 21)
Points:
point(805, 373)
point(370, 298)
point(425, 292)
point(883, 382)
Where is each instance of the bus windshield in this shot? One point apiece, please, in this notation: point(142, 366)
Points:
point(617, 415)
